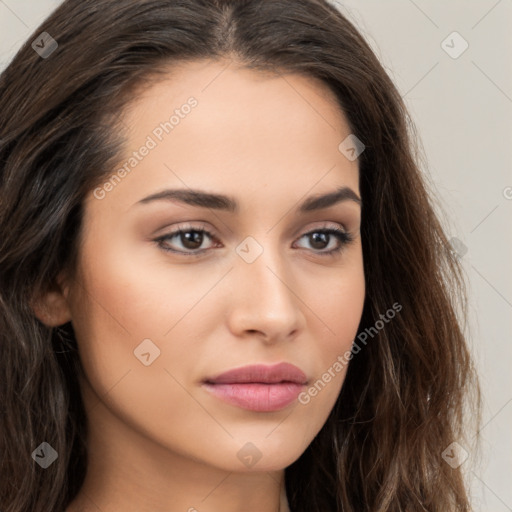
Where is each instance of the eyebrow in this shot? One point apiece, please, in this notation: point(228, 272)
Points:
point(229, 204)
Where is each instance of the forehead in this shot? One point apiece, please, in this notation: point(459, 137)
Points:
point(233, 98)
point(217, 80)
point(217, 125)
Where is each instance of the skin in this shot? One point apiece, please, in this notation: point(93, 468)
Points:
point(158, 441)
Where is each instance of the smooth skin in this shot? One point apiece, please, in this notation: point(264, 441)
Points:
point(159, 442)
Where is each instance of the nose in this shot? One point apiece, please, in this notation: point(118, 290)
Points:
point(264, 300)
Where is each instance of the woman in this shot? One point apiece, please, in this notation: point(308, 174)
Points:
point(223, 282)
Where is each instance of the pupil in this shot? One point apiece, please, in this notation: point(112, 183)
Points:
point(192, 239)
point(316, 237)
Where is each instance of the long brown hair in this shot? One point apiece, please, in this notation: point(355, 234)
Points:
point(405, 394)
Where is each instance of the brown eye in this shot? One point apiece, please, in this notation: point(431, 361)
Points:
point(320, 239)
point(187, 240)
point(191, 239)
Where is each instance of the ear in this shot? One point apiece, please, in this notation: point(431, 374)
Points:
point(52, 307)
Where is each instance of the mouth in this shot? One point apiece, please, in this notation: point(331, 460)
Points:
point(258, 388)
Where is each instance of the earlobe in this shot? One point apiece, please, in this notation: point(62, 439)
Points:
point(52, 307)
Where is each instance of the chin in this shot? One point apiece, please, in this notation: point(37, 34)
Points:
point(263, 453)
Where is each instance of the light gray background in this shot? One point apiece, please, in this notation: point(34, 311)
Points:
point(462, 108)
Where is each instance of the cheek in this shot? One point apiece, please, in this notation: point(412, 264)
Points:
point(134, 292)
point(338, 315)
point(339, 307)
point(127, 307)
point(123, 306)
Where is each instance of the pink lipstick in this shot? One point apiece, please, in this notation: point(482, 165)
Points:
point(258, 388)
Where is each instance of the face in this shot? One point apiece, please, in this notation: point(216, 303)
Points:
point(254, 278)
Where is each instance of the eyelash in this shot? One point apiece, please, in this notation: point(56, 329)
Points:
point(344, 238)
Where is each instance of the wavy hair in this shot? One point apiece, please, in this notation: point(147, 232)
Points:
point(406, 392)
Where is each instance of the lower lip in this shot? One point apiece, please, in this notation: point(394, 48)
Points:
point(256, 396)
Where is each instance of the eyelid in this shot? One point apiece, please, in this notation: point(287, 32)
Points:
point(191, 225)
point(326, 224)
point(204, 226)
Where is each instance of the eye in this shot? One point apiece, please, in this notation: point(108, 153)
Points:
point(191, 238)
point(322, 238)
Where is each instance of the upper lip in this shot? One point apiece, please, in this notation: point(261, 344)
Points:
point(282, 372)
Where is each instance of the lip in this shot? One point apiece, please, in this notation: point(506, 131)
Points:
point(258, 388)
